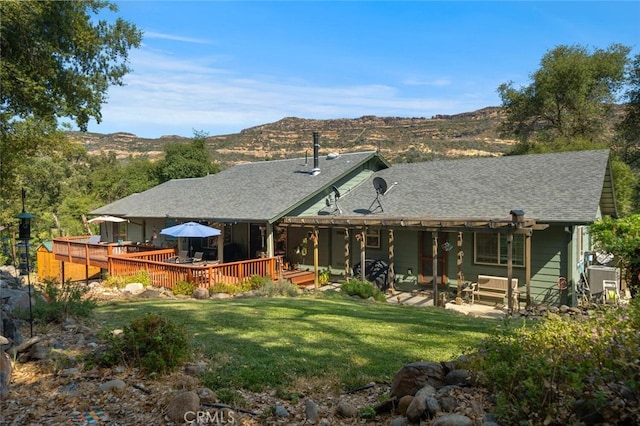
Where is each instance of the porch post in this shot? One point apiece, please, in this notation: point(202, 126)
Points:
point(314, 238)
point(510, 271)
point(347, 267)
point(221, 244)
point(527, 266)
point(391, 259)
point(363, 242)
point(460, 275)
point(434, 253)
point(270, 239)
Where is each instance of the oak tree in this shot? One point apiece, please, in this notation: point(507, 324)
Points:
point(58, 61)
point(570, 96)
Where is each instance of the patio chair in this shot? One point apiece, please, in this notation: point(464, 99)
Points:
point(197, 256)
point(183, 256)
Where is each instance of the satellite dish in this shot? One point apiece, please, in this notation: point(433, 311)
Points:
point(336, 196)
point(335, 191)
point(381, 189)
point(380, 185)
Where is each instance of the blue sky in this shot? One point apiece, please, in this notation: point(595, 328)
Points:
point(220, 67)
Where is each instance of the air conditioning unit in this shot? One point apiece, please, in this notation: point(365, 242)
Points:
point(597, 274)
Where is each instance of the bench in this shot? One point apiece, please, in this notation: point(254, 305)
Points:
point(494, 287)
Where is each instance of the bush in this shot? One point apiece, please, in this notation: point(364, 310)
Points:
point(230, 288)
point(363, 289)
point(153, 343)
point(62, 300)
point(256, 281)
point(539, 372)
point(278, 288)
point(183, 288)
point(142, 276)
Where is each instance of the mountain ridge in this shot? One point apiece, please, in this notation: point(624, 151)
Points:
point(399, 139)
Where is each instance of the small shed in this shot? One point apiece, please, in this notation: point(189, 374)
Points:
point(50, 268)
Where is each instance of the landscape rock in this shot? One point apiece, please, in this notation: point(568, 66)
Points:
point(413, 377)
point(399, 421)
point(181, 404)
point(310, 411)
point(453, 420)
point(200, 293)
point(5, 373)
point(134, 288)
point(40, 351)
point(458, 377)
point(419, 407)
point(207, 395)
point(112, 384)
point(280, 411)
point(150, 293)
point(403, 404)
point(347, 410)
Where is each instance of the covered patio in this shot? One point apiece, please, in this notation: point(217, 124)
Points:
point(357, 226)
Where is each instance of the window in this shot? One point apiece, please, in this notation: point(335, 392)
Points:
point(372, 238)
point(492, 249)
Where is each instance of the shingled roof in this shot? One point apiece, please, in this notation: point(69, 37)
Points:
point(258, 191)
point(559, 187)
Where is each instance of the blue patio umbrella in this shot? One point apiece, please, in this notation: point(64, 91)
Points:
point(190, 230)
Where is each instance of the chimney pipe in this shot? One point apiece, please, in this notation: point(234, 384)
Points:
point(316, 148)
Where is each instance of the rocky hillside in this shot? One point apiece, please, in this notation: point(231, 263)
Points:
point(398, 139)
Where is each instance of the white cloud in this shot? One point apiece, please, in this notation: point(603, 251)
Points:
point(167, 95)
point(172, 37)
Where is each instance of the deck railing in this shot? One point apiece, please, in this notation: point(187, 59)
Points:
point(128, 260)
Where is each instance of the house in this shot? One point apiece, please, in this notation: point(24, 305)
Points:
point(524, 217)
point(468, 202)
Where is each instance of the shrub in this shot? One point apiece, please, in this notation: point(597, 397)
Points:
point(230, 288)
point(363, 289)
point(278, 288)
point(142, 276)
point(256, 281)
point(62, 300)
point(183, 288)
point(153, 343)
point(324, 276)
point(542, 370)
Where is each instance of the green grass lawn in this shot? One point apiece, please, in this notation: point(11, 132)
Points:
point(259, 343)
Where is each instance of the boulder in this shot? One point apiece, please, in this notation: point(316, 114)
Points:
point(403, 404)
point(458, 377)
point(182, 403)
point(413, 377)
point(453, 420)
point(310, 411)
point(5, 373)
point(200, 293)
point(419, 406)
point(344, 409)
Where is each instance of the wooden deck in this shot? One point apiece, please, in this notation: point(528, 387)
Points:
point(128, 260)
point(299, 278)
